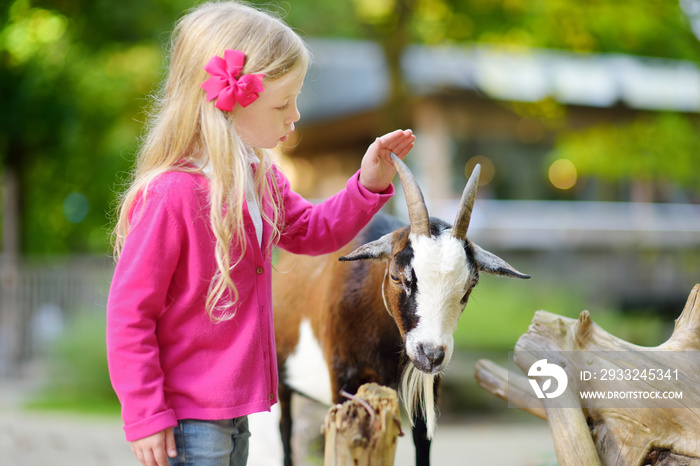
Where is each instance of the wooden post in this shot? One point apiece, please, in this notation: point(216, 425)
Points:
point(591, 432)
point(364, 430)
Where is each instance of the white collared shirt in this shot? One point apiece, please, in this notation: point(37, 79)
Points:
point(250, 196)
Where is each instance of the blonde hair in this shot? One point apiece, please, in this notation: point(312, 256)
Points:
point(184, 126)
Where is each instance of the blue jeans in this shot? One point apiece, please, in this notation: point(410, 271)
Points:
point(211, 443)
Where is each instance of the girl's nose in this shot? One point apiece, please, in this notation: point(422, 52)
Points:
point(294, 114)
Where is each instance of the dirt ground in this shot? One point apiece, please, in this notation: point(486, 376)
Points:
point(30, 438)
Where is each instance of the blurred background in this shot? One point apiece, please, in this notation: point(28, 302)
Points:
point(585, 118)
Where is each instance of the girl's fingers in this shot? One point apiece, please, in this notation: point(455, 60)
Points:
point(399, 142)
point(170, 443)
point(396, 137)
point(155, 449)
point(404, 140)
point(404, 148)
point(160, 457)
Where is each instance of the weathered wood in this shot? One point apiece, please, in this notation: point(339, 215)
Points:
point(511, 387)
point(648, 432)
point(572, 439)
point(363, 431)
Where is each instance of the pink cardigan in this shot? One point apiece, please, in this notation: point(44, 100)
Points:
point(167, 359)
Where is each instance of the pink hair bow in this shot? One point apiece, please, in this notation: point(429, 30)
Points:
point(227, 85)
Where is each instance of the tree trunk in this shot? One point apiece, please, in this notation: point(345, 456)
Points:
point(10, 327)
point(637, 428)
point(364, 430)
point(394, 41)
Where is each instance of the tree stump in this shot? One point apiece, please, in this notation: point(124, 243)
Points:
point(636, 429)
point(363, 431)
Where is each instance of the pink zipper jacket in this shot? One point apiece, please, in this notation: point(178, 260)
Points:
point(167, 359)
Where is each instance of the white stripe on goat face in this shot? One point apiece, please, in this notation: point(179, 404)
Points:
point(443, 276)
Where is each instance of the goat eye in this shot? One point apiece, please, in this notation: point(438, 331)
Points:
point(395, 279)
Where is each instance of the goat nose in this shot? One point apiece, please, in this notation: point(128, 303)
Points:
point(434, 353)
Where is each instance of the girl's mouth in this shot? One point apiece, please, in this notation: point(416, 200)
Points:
point(286, 136)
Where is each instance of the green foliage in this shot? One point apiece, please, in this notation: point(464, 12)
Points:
point(78, 379)
point(501, 310)
point(664, 146)
point(641, 27)
point(73, 81)
point(74, 76)
point(654, 28)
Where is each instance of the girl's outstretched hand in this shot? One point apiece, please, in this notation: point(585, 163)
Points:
point(377, 170)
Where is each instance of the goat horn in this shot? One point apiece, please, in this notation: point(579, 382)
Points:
point(417, 211)
point(466, 204)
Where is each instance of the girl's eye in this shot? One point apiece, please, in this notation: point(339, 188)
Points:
point(284, 107)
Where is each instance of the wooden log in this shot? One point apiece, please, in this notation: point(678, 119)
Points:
point(572, 439)
point(364, 430)
point(509, 386)
point(640, 432)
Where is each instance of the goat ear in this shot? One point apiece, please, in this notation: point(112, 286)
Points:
point(491, 263)
point(375, 250)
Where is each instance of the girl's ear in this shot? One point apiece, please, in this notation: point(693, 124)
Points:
point(491, 263)
point(376, 250)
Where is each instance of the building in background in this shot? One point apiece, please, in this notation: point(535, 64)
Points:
point(621, 248)
point(629, 246)
point(503, 107)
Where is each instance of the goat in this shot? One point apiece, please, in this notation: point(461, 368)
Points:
point(387, 317)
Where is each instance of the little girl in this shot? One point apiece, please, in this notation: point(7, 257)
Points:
point(190, 337)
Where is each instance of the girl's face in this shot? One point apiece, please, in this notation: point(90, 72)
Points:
point(270, 119)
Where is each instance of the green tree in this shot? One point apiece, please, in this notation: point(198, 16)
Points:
point(656, 150)
point(654, 28)
point(73, 77)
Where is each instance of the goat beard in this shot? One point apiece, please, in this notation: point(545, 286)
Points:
point(417, 391)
